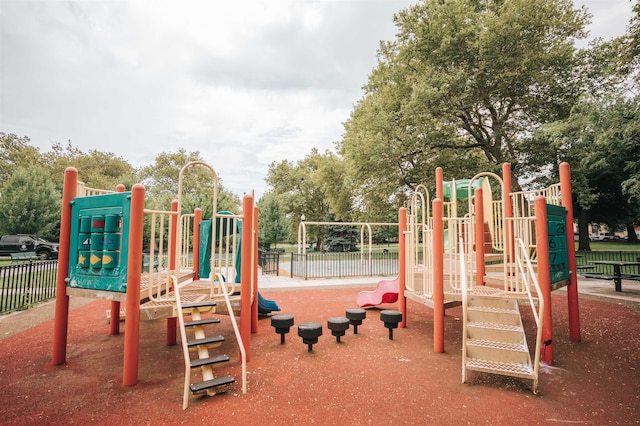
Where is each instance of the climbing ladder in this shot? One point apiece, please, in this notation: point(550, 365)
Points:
point(198, 345)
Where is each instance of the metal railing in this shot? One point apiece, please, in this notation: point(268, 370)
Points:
point(26, 284)
point(269, 261)
point(341, 265)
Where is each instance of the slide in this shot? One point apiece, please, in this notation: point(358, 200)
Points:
point(266, 306)
point(385, 292)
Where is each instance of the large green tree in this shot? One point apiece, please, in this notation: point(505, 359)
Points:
point(460, 87)
point(15, 152)
point(30, 204)
point(161, 183)
point(273, 226)
point(314, 187)
point(96, 169)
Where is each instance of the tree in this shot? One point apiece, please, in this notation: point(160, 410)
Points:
point(96, 169)
point(16, 152)
point(30, 204)
point(461, 86)
point(161, 183)
point(303, 190)
point(273, 226)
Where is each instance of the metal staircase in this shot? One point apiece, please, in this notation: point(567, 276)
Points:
point(198, 340)
point(494, 339)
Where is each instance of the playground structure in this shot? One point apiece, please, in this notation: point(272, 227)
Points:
point(504, 248)
point(101, 256)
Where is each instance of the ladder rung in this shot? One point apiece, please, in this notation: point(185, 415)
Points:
point(213, 383)
point(209, 361)
point(205, 341)
point(201, 322)
point(203, 304)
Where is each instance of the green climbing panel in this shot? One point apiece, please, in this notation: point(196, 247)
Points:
point(98, 248)
point(558, 250)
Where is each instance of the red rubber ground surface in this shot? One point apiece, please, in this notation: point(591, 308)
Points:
point(365, 379)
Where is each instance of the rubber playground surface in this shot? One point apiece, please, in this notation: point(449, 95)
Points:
point(366, 379)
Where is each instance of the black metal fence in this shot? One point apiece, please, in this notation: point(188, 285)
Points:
point(269, 261)
point(585, 257)
point(341, 265)
point(25, 284)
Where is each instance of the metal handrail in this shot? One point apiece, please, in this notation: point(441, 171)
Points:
point(529, 277)
point(236, 330)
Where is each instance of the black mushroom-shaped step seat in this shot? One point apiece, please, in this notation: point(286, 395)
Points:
point(338, 326)
point(391, 319)
point(282, 323)
point(310, 331)
point(355, 316)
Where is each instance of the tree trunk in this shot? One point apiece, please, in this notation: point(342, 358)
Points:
point(632, 237)
point(583, 231)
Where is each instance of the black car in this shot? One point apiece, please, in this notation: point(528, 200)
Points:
point(22, 243)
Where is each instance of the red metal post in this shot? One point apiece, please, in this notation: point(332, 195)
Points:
point(572, 290)
point(245, 274)
point(402, 264)
point(172, 323)
point(61, 318)
point(438, 276)
point(114, 323)
point(254, 283)
point(479, 236)
point(134, 272)
point(197, 219)
point(544, 276)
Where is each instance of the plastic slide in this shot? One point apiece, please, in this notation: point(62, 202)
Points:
point(385, 292)
point(266, 306)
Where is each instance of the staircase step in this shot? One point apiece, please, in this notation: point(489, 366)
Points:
point(202, 322)
point(504, 368)
point(203, 304)
point(492, 350)
point(490, 314)
point(209, 361)
point(205, 341)
point(491, 331)
point(213, 383)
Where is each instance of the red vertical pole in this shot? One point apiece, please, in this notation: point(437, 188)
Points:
point(114, 323)
point(197, 219)
point(439, 180)
point(254, 283)
point(544, 276)
point(438, 276)
point(172, 323)
point(134, 272)
point(61, 318)
point(402, 264)
point(245, 274)
point(479, 237)
point(572, 290)
point(508, 210)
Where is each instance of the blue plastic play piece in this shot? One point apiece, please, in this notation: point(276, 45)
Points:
point(266, 306)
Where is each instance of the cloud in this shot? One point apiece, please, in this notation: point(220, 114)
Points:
point(244, 82)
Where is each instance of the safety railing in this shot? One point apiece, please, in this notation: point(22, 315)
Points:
point(159, 287)
point(342, 265)
point(26, 284)
point(530, 281)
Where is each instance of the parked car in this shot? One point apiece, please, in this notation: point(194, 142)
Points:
point(23, 243)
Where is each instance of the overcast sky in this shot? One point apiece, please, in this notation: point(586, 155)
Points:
point(244, 82)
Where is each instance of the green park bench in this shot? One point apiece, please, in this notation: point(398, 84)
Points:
point(24, 256)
